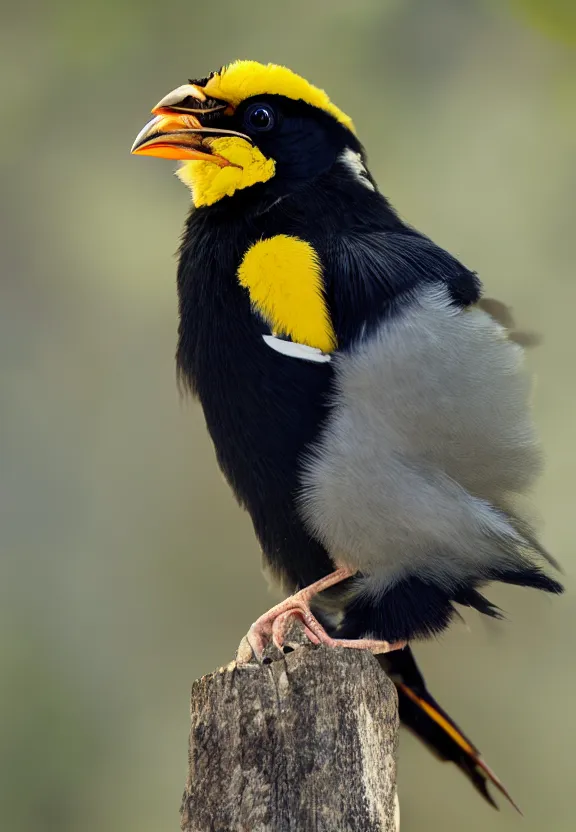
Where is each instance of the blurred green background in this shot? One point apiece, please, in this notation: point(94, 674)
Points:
point(127, 568)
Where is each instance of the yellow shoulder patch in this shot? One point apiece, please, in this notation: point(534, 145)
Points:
point(243, 79)
point(283, 276)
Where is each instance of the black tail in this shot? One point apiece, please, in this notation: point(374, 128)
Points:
point(414, 606)
point(420, 712)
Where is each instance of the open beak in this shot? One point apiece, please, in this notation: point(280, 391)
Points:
point(177, 132)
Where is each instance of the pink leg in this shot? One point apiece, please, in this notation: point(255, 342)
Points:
point(274, 623)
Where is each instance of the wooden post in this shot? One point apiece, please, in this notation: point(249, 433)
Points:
point(305, 743)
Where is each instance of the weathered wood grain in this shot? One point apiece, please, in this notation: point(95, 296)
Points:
point(304, 743)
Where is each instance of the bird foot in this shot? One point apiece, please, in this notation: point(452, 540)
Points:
point(274, 624)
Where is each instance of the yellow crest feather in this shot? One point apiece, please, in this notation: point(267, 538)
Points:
point(243, 79)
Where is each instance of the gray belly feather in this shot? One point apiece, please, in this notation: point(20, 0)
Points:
point(429, 447)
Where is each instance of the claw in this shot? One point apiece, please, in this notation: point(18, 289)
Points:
point(274, 624)
point(281, 625)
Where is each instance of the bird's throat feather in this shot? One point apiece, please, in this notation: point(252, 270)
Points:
point(209, 183)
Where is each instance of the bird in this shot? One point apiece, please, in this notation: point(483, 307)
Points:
point(368, 406)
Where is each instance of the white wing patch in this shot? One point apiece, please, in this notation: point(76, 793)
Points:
point(353, 161)
point(294, 350)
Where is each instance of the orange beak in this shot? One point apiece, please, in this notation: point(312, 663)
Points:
point(176, 131)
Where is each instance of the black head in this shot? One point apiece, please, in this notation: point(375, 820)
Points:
point(246, 125)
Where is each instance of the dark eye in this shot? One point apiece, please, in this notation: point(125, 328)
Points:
point(260, 117)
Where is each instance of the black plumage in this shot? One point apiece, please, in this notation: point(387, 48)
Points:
point(268, 414)
point(264, 412)
point(427, 720)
